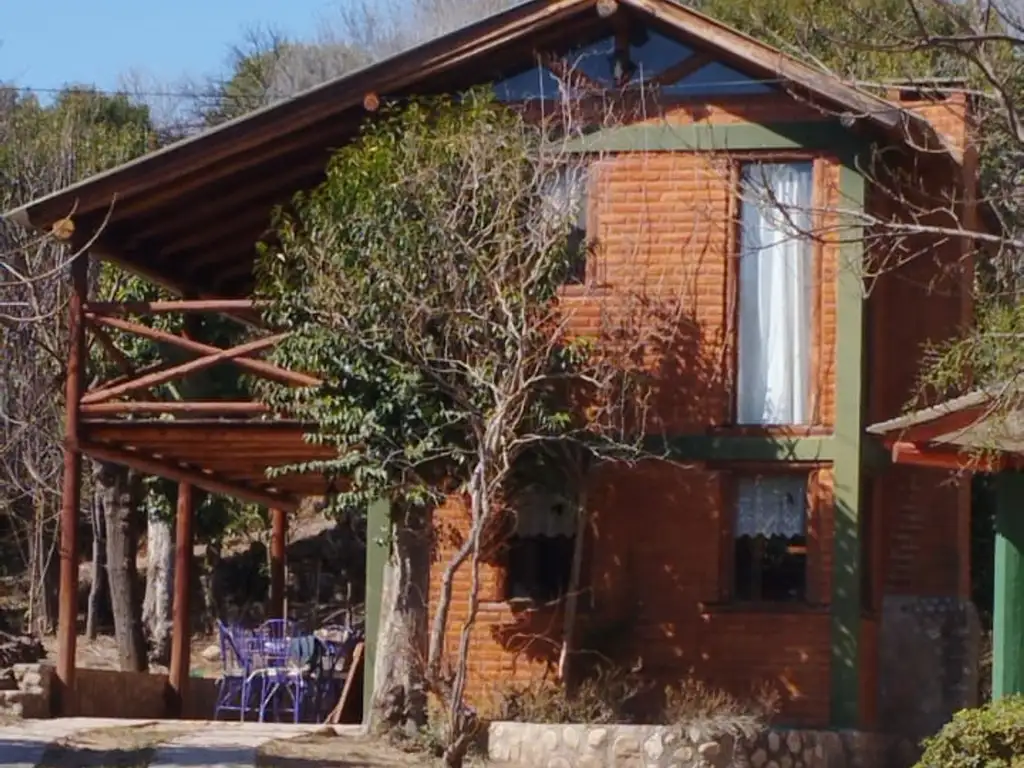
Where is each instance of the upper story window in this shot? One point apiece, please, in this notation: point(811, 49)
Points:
point(776, 289)
point(566, 197)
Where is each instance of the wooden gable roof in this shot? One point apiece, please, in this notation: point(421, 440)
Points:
point(187, 216)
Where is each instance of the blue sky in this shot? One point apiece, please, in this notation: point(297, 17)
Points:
point(47, 43)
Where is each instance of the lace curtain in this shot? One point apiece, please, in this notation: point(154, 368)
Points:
point(544, 514)
point(775, 293)
point(771, 506)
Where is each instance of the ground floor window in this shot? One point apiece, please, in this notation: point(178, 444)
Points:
point(541, 548)
point(770, 514)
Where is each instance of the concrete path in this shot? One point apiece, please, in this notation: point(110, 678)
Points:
point(214, 744)
point(22, 745)
point(224, 745)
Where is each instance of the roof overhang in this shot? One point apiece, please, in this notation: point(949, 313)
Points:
point(187, 216)
point(980, 431)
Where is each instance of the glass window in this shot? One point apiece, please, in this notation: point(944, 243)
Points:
point(770, 532)
point(776, 283)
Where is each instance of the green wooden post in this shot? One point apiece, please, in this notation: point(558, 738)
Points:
point(377, 519)
point(848, 461)
point(1008, 595)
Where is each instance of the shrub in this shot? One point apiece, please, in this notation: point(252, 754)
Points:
point(988, 737)
point(616, 696)
point(695, 705)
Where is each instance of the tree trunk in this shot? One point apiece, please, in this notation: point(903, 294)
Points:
point(399, 696)
point(210, 583)
point(156, 608)
point(119, 495)
point(99, 589)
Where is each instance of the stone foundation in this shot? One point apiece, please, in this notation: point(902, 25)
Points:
point(25, 690)
point(651, 746)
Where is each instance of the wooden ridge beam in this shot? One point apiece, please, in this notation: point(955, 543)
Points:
point(207, 481)
point(184, 369)
point(266, 370)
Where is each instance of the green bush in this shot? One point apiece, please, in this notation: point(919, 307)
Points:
point(988, 737)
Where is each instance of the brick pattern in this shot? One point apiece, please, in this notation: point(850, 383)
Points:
point(652, 563)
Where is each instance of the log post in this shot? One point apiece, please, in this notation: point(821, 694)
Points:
point(279, 535)
point(181, 631)
point(71, 496)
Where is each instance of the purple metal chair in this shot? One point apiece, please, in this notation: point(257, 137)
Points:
point(234, 684)
point(288, 676)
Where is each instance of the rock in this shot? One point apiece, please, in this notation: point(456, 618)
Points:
point(211, 653)
point(571, 736)
point(808, 756)
point(596, 738)
point(793, 742)
point(8, 682)
point(772, 764)
point(759, 758)
point(785, 762)
point(709, 750)
point(589, 761)
point(683, 753)
point(653, 747)
point(626, 747)
point(549, 740)
point(774, 742)
point(32, 680)
point(559, 762)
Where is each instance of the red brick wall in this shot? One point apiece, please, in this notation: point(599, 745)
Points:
point(920, 295)
point(654, 558)
point(653, 564)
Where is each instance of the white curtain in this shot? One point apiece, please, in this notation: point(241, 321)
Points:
point(771, 506)
point(775, 292)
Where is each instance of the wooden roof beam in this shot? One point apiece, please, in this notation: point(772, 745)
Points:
point(177, 473)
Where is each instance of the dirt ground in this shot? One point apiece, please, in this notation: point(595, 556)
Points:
point(328, 751)
point(128, 747)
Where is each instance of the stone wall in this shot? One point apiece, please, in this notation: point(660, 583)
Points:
point(650, 746)
point(25, 690)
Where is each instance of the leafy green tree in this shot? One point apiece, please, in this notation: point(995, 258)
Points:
point(421, 282)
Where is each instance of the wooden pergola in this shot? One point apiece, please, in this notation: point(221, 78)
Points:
point(972, 433)
point(220, 446)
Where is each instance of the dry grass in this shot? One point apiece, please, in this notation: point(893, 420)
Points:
point(117, 747)
point(328, 750)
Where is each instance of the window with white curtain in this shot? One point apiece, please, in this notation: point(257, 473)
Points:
point(776, 280)
point(770, 533)
point(566, 201)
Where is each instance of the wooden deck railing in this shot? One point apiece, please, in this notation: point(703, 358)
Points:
point(129, 393)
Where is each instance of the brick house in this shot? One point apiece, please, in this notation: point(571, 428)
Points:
point(777, 545)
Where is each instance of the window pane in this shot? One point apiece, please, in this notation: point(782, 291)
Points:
point(565, 197)
point(775, 293)
point(771, 538)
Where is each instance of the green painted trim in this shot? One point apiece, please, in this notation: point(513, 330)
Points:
point(749, 448)
point(848, 466)
point(378, 517)
point(664, 137)
point(1008, 595)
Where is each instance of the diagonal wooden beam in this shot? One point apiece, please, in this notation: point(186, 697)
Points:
point(208, 481)
point(682, 69)
point(115, 354)
point(184, 369)
point(258, 367)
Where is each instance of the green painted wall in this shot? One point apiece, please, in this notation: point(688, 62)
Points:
point(848, 465)
point(377, 519)
point(1008, 595)
point(820, 134)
